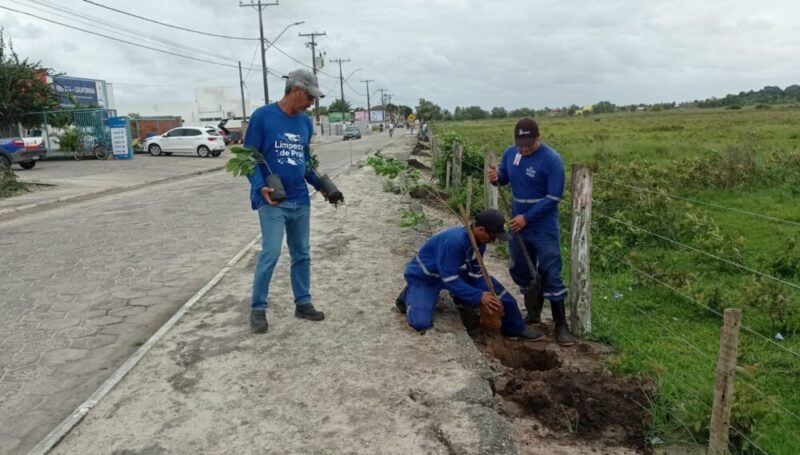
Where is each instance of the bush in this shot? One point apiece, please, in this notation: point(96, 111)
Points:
point(9, 186)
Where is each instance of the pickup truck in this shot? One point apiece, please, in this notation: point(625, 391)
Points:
point(25, 152)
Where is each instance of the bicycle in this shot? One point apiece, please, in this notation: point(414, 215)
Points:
point(89, 144)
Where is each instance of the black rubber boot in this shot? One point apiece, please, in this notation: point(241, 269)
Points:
point(563, 336)
point(529, 334)
point(399, 303)
point(308, 311)
point(533, 303)
point(258, 321)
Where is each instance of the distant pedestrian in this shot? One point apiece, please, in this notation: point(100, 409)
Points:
point(536, 174)
point(281, 133)
point(447, 261)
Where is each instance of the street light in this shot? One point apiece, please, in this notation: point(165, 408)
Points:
point(264, 55)
point(353, 72)
point(281, 33)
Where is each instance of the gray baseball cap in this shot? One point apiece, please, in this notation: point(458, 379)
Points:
point(306, 80)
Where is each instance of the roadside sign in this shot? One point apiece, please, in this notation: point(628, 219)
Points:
point(411, 117)
point(120, 138)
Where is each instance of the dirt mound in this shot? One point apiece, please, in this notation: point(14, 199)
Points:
point(566, 389)
point(560, 389)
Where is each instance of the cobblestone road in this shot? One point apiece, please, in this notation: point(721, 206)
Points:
point(82, 286)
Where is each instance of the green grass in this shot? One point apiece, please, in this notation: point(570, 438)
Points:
point(745, 159)
point(9, 186)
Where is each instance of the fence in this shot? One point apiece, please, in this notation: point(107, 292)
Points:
point(65, 130)
point(718, 374)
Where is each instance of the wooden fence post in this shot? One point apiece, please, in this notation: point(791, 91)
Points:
point(447, 175)
point(580, 285)
point(458, 156)
point(433, 146)
point(490, 192)
point(723, 385)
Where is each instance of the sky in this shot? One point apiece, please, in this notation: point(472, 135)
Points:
point(510, 53)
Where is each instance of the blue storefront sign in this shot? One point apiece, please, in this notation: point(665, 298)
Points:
point(121, 145)
point(83, 91)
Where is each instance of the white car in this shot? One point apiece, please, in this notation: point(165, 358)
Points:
point(187, 139)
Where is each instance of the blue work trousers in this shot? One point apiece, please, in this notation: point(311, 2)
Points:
point(295, 220)
point(544, 248)
point(421, 295)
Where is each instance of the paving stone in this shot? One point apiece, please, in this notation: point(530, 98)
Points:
point(79, 332)
point(146, 301)
point(127, 310)
point(94, 341)
point(104, 320)
point(62, 356)
point(25, 357)
point(37, 316)
point(59, 324)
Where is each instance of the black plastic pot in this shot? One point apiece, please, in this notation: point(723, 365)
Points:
point(278, 194)
point(328, 188)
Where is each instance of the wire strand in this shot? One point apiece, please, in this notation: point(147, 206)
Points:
point(697, 250)
point(695, 201)
point(691, 299)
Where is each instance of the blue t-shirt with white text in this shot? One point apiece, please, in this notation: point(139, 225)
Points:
point(283, 141)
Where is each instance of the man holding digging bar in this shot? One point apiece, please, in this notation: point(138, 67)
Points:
point(536, 174)
point(447, 261)
point(280, 132)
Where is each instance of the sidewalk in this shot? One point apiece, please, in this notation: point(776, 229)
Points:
point(358, 382)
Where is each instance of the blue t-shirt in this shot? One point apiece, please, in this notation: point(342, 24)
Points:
point(283, 141)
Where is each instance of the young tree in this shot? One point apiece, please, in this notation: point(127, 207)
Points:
point(23, 88)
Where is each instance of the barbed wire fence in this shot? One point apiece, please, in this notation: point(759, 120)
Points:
point(717, 372)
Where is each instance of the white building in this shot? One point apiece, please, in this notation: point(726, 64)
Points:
point(210, 105)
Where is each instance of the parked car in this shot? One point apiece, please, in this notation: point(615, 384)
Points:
point(25, 152)
point(351, 132)
point(187, 139)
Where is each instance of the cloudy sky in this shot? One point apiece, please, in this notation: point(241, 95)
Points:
point(510, 53)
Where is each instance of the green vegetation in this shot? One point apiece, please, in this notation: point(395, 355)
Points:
point(245, 159)
point(411, 218)
point(657, 301)
point(9, 186)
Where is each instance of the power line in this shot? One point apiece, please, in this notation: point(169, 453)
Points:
point(170, 25)
point(73, 15)
point(130, 42)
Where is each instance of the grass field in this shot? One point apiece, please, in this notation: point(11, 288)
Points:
point(667, 183)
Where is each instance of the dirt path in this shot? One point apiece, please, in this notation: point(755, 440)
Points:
point(359, 382)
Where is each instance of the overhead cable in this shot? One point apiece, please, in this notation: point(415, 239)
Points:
point(170, 25)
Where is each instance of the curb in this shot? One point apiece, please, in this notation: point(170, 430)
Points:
point(65, 427)
point(44, 205)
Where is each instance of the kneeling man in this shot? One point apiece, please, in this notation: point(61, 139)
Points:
point(447, 261)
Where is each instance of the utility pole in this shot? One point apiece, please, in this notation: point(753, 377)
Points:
point(369, 114)
point(260, 7)
point(241, 89)
point(313, 46)
point(341, 82)
point(383, 103)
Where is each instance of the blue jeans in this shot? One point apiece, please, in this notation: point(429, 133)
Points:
point(295, 219)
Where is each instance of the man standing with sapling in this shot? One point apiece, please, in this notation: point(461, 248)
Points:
point(281, 132)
